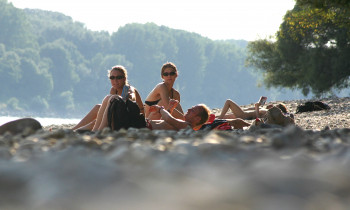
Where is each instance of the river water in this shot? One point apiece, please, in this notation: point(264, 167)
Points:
point(43, 121)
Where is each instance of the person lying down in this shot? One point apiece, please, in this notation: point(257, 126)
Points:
point(249, 113)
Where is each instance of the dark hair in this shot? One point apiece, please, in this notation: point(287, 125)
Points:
point(282, 107)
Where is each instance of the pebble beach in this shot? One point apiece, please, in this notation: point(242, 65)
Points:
point(306, 166)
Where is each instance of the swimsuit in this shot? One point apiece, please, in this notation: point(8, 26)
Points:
point(148, 124)
point(151, 103)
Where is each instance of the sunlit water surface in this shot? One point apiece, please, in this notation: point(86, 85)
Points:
point(43, 121)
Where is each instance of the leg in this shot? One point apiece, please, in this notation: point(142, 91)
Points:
point(89, 118)
point(238, 123)
point(101, 112)
point(228, 116)
point(104, 121)
point(88, 126)
point(236, 110)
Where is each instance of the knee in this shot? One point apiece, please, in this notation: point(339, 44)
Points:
point(96, 107)
point(106, 99)
point(229, 101)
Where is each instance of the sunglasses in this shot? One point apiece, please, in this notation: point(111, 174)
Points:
point(116, 77)
point(170, 73)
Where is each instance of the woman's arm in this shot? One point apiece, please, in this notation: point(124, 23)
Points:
point(153, 95)
point(139, 102)
point(257, 105)
point(164, 95)
point(177, 111)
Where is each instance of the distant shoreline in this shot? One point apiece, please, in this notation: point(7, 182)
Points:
point(44, 121)
point(337, 117)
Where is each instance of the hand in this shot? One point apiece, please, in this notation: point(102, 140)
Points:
point(131, 95)
point(155, 108)
point(113, 91)
point(173, 104)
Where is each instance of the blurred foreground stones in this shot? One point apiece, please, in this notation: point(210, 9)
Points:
point(260, 168)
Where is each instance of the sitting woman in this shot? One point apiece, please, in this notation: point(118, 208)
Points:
point(118, 77)
point(247, 113)
point(163, 92)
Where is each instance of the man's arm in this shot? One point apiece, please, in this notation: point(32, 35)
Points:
point(173, 106)
point(168, 118)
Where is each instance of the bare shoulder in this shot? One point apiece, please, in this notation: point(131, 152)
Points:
point(159, 87)
point(162, 86)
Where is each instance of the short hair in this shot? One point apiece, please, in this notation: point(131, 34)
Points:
point(121, 69)
point(168, 65)
point(204, 114)
point(282, 107)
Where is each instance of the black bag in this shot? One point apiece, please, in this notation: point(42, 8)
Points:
point(312, 106)
point(124, 115)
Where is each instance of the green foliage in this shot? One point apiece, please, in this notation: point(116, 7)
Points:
point(39, 103)
point(51, 64)
point(312, 48)
point(38, 82)
point(14, 31)
point(13, 104)
point(10, 74)
point(62, 67)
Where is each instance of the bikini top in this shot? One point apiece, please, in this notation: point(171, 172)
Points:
point(151, 103)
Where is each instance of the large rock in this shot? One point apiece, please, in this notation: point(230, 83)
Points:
point(20, 125)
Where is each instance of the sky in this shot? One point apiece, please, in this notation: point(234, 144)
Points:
point(215, 19)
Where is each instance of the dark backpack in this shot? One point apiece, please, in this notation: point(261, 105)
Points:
point(312, 106)
point(124, 115)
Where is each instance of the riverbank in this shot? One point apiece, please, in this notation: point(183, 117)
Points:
point(299, 167)
point(337, 117)
point(44, 121)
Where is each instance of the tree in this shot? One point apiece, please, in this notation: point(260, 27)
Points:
point(15, 28)
point(34, 82)
point(311, 50)
point(11, 74)
point(62, 67)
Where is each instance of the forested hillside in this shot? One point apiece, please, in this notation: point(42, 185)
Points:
point(51, 65)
